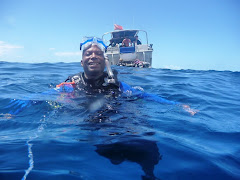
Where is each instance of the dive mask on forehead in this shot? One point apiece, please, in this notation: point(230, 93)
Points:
point(93, 40)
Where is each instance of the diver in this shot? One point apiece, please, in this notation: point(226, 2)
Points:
point(95, 80)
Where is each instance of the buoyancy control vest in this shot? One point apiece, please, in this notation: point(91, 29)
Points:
point(91, 86)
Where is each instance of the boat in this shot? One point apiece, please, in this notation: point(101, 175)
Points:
point(135, 55)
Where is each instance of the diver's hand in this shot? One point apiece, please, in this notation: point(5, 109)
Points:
point(189, 110)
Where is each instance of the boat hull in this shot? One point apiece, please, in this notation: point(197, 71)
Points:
point(142, 53)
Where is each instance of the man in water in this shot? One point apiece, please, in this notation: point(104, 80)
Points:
point(95, 80)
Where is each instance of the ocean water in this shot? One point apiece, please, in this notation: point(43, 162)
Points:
point(87, 138)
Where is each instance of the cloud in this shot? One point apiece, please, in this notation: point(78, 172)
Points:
point(68, 54)
point(51, 49)
point(6, 48)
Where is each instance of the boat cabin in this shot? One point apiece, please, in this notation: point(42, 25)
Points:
point(125, 48)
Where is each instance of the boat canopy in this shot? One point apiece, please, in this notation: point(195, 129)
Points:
point(119, 35)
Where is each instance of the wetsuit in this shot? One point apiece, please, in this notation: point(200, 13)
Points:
point(93, 86)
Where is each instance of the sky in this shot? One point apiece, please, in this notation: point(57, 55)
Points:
point(186, 34)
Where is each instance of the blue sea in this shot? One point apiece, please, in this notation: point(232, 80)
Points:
point(87, 138)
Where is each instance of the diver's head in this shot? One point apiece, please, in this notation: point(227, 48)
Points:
point(93, 60)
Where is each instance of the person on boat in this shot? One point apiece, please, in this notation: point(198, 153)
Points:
point(136, 41)
point(112, 43)
point(126, 42)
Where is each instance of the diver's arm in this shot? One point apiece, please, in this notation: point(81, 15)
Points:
point(129, 91)
point(15, 106)
point(159, 99)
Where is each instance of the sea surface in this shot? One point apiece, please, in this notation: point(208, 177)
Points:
point(58, 136)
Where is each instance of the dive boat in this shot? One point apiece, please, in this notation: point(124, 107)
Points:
point(136, 54)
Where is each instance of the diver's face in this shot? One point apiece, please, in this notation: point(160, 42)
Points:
point(93, 62)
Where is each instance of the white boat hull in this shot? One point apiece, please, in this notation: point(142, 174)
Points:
point(142, 54)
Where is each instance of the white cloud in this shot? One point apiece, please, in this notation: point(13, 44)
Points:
point(51, 49)
point(68, 54)
point(6, 48)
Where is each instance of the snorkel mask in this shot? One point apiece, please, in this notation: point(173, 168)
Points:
point(87, 41)
point(92, 40)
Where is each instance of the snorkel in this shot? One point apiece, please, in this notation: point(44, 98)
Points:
point(111, 78)
point(99, 42)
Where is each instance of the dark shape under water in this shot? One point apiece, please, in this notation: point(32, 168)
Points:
point(141, 151)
